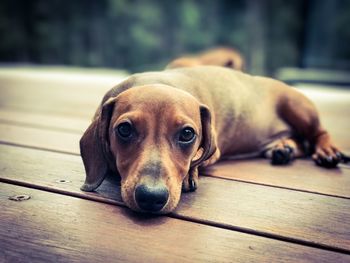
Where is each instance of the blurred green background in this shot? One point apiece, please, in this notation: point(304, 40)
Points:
point(139, 35)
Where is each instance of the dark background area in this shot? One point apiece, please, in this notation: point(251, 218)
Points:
point(140, 35)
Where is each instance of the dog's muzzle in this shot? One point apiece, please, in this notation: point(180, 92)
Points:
point(151, 198)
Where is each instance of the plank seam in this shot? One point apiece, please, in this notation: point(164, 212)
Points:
point(276, 186)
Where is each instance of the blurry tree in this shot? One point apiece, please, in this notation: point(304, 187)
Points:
point(146, 34)
point(285, 27)
point(257, 39)
point(326, 43)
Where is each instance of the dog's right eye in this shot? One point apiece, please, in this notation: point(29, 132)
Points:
point(125, 130)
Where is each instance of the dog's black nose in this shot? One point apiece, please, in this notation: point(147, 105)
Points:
point(151, 198)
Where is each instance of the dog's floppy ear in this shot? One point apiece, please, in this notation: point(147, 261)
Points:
point(208, 143)
point(95, 150)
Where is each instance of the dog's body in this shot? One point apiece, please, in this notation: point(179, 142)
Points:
point(155, 129)
point(244, 115)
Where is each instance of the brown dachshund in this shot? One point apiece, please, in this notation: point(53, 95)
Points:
point(223, 56)
point(156, 129)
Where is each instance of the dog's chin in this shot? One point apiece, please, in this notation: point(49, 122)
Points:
point(129, 199)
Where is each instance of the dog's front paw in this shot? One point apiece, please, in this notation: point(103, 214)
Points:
point(282, 155)
point(190, 183)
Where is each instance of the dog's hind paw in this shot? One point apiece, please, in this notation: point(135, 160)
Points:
point(282, 155)
point(329, 160)
point(327, 155)
point(345, 158)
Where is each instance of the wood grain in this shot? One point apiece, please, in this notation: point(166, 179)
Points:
point(52, 171)
point(45, 230)
point(301, 175)
point(59, 94)
point(44, 121)
point(279, 213)
point(40, 138)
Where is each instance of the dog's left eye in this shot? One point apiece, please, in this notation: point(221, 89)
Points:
point(187, 135)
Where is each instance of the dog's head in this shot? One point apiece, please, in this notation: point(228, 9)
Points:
point(151, 136)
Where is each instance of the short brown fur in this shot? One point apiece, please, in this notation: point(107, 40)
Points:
point(232, 114)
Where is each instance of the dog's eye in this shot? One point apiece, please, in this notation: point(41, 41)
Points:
point(125, 130)
point(187, 135)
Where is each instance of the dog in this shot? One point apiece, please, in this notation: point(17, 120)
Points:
point(155, 130)
point(221, 56)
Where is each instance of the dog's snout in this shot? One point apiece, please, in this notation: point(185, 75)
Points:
point(151, 198)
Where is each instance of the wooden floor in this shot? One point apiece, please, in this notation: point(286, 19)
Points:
point(243, 211)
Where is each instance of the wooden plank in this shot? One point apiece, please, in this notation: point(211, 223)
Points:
point(55, 93)
point(52, 171)
point(283, 214)
point(53, 227)
point(301, 175)
point(38, 138)
point(44, 121)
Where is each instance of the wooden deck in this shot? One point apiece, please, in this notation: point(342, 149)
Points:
point(243, 211)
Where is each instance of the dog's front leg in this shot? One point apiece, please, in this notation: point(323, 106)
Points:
point(190, 183)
